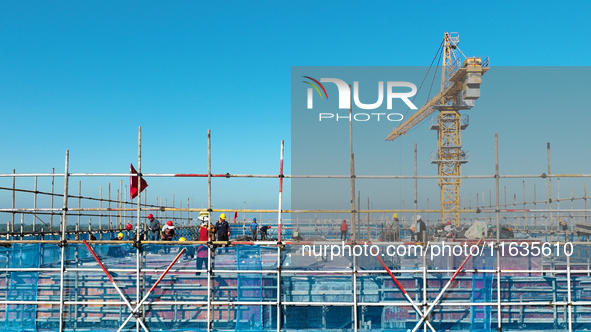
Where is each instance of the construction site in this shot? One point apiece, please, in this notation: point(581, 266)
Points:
point(528, 267)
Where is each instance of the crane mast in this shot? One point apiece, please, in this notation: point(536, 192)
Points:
point(460, 87)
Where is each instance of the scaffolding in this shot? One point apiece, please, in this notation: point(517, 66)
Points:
point(50, 280)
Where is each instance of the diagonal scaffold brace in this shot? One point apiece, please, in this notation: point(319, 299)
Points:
point(113, 282)
point(139, 305)
point(423, 318)
point(417, 309)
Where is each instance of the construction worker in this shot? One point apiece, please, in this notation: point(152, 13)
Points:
point(190, 250)
point(344, 229)
point(201, 261)
point(296, 235)
point(223, 229)
point(264, 230)
point(116, 251)
point(203, 228)
point(420, 227)
point(448, 229)
point(154, 226)
point(167, 231)
point(254, 228)
point(167, 234)
point(393, 231)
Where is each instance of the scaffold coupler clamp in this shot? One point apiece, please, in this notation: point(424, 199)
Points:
point(137, 244)
point(62, 243)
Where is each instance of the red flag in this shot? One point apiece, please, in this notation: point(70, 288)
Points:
point(133, 187)
point(235, 216)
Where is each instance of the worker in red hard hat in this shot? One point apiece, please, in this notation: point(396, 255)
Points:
point(264, 230)
point(129, 227)
point(154, 227)
point(448, 230)
point(167, 234)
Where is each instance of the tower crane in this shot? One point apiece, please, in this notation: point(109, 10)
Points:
point(460, 87)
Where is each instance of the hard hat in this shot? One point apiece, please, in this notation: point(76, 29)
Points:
point(169, 223)
point(150, 216)
point(222, 216)
point(269, 226)
point(395, 216)
point(419, 217)
point(254, 219)
point(182, 239)
point(448, 223)
point(344, 220)
point(129, 227)
point(120, 235)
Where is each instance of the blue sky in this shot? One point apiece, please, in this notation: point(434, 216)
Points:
point(83, 76)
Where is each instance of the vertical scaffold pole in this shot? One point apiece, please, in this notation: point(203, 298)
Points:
point(209, 269)
point(64, 224)
point(500, 317)
point(278, 288)
point(35, 204)
point(416, 195)
point(354, 235)
point(52, 184)
point(424, 302)
point(100, 225)
point(13, 199)
point(570, 306)
point(550, 196)
point(137, 229)
point(279, 237)
point(109, 206)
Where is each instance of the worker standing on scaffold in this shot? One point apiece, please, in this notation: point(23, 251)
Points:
point(420, 227)
point(393, 231)
point(254, 229)
point(154, 226)
point(344, 229)
point(223, 229)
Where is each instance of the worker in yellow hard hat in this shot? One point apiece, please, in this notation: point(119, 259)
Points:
point(393, 231)
point(223, 229)
point(119, 237)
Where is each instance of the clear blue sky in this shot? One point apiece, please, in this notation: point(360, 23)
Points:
point(83, 76)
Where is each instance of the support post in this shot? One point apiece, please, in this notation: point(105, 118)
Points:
point(280, 196)
point(209, 268)
point(550, 196)
point(138, 220)
point(499, 315)
point(64, 224)
point(352, 169)
point(416, 196)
